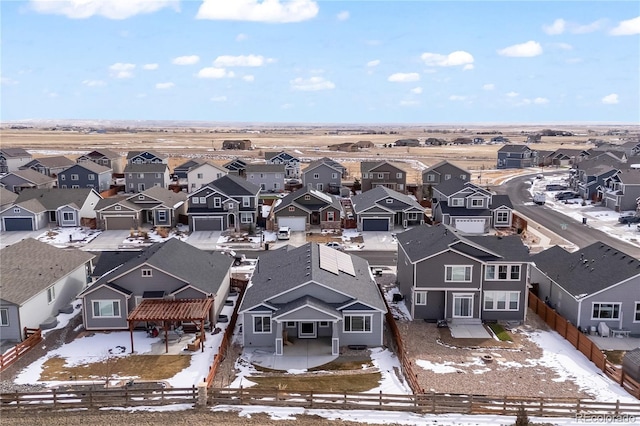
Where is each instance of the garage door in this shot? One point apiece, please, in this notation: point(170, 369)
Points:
point(375, 224)
point(18, 224)
point(295, 223)
point(207, 224)
point(471, 226)
point(118, 222)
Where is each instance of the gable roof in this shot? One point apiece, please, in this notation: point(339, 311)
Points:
point(437, 166)
point(264, 168)
point(235, 164)
point(327, 162)
point(281, 270)
point(132, 154)
point(234, 186)
point(499, 200)
point(6, 196)
point(629, 176)
point(514, 148)
point(52, 198)
point(291, 198)
point(103, 152)
point(32, 176)
point(50, 162)
point(587, 270)
point(122, 200)
point(269, 155)
point(189, 164)
point(200, 269)
point(22, 278)
point(92, 167)
point(368, 166)
point(14, 152)
point(146, 168)
point(371, 197)
point(165, 196)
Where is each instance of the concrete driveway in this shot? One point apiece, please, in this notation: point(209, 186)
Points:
point(204, 240)
point(108, 241)
point(12, 237)
point(380, 240)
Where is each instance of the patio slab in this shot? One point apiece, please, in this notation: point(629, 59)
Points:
point(616, 343)
point(301, 355)
point(468, 331)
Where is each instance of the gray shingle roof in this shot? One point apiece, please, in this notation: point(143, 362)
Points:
point(14, 152)
point(235, 186)
point(500, 200)
point(201, 269)
point(132, 154)
point(265, 168)
point(6, 196)
point(122, 200)
point(93, 167)
point(32, 176)
point(451, 186)
point(423, 241)
point(165, 196)
point(57, 161)
point(107, 153)
point(367, 166)
point(24, 278)
point(370, 198)
point(514, 148)
point(146, 168)
point(281, 270)
point(52, 198)
point(588, 270)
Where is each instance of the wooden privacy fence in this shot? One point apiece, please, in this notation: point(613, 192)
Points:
point(405, 362)
point(425, 403)
point(581, 342)
point(96, 398)
point(241, 285)
point(33, 337)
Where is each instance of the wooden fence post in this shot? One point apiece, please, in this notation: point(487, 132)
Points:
point(55, 395)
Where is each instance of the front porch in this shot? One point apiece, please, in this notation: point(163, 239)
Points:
point(301, 354)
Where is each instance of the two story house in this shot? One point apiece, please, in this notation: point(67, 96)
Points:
point(324, 175)
point(50, 166)
point(304, 208)
point(269, 177)
point(104, 157)
point(236, 166)
point(11, 159)
point(21, 179)
point(441, 172)
point(383, 209)
point(291, 163)
point(516, 157)
point(86, 175)
point(621, 190)
point(590, 175)
point(446, 276)
point(382, 173)
point(140, 176)
point(228, 202)
point(469, 208)
point(146, 157)
point(192, 174)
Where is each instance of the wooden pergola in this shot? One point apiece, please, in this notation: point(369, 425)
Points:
point(169, 311)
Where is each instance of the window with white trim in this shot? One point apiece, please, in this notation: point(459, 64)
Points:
point(447, 176)
point(334, 176)
point(330, 216)
point(502, 272)
point(477, 202)
point(290, 324)
point(217, 202)
point(316, 175)
point(636, 315)
point(4, 317)
point(75, 186)
point(307, 197)
point(463, 177)
point(117, 207)
point(262, 324)
point(162, 215)
point(398, 175)
point(389, 200)
point(75, 177)
point(502, 217)
point(457, 273)
point(68, 216)
point(200, 176)
point(380, 175)
point(91, 176)
point(203, 200)
point(457, 202)
point(246, 201)
point(63, 177)
point(106, 309)
point(146, 273)
point(501, 300)
point(140, 175)
point(195, 200)
point(400, 187)
point(412, 216)
point(420, 297)
point(324, 324)
point(16, 209)
point(605, 311)
point(357, 323)
point(430, 177)
point(246, 218)
point(51, 294)
point(292, 209)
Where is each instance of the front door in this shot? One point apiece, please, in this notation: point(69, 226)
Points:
point(307, 330)
point(462, 305)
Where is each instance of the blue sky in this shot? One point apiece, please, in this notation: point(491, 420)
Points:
point(321, 61)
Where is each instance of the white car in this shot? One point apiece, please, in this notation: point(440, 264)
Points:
point(284, 233)
point(334, 245)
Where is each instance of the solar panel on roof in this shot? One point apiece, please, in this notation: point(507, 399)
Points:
point(328, 260)
point(345, 264)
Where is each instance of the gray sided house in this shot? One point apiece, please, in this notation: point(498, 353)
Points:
point(441, 172)
point(171, 270)
point(35, 292)
point(595, 284)
point(11, 159)
point(139, 177)
point(323, 176)
point(382, 173)
point(516, 157)
point(469, 208)
point(306, 208)
point(228, 202)
point(444, 275)
point(269, 177)
point(50, 166)
point(118, 213)
point(39, 208)
point(104, 157)
point(621, 190)
point(21, 179)
point(146, 157)
point(160, 206)
point(86, 175)
point(6, 198)
point(291, 163)
point(383, 209)
point(312, 292)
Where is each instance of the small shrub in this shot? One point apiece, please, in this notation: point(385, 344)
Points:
point(522, 419)
point(162, 231)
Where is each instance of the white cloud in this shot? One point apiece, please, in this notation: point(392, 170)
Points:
point(242, 37)
point(241, 61)
point(558, 27)
point(150, 67)
point(523, 50)
point(409, 103)
point(163, 86)
point(121, 70)
point(610, 99)
point(628, 27)
point(248, 78)
point(343, 16)
point(219, 99)
point(6, 81)
point(416, 90)
point(453, 59)
point(562, 46)
point(513, 94)
point(311, 84)
point(468, 67)
point(541, 101)
point(457, 98)
point(587, 28)
point(273, 11)
point(186, 60)
point(401, 77)
point(488, 86)
point(212, 72)
point(93, 83)
point(111, 9)
point(373, 63)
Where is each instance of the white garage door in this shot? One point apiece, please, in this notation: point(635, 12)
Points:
point(471, 226)
point(293, 222)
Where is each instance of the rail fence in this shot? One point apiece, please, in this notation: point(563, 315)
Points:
point(33, 337)
point(581, 342)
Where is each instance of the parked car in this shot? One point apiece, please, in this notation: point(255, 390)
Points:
point(284, 233)
point(629, 219)
point(334, 245)
point(556, 187)
point(567, 195)
point(539, 198)
point(540, 176)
